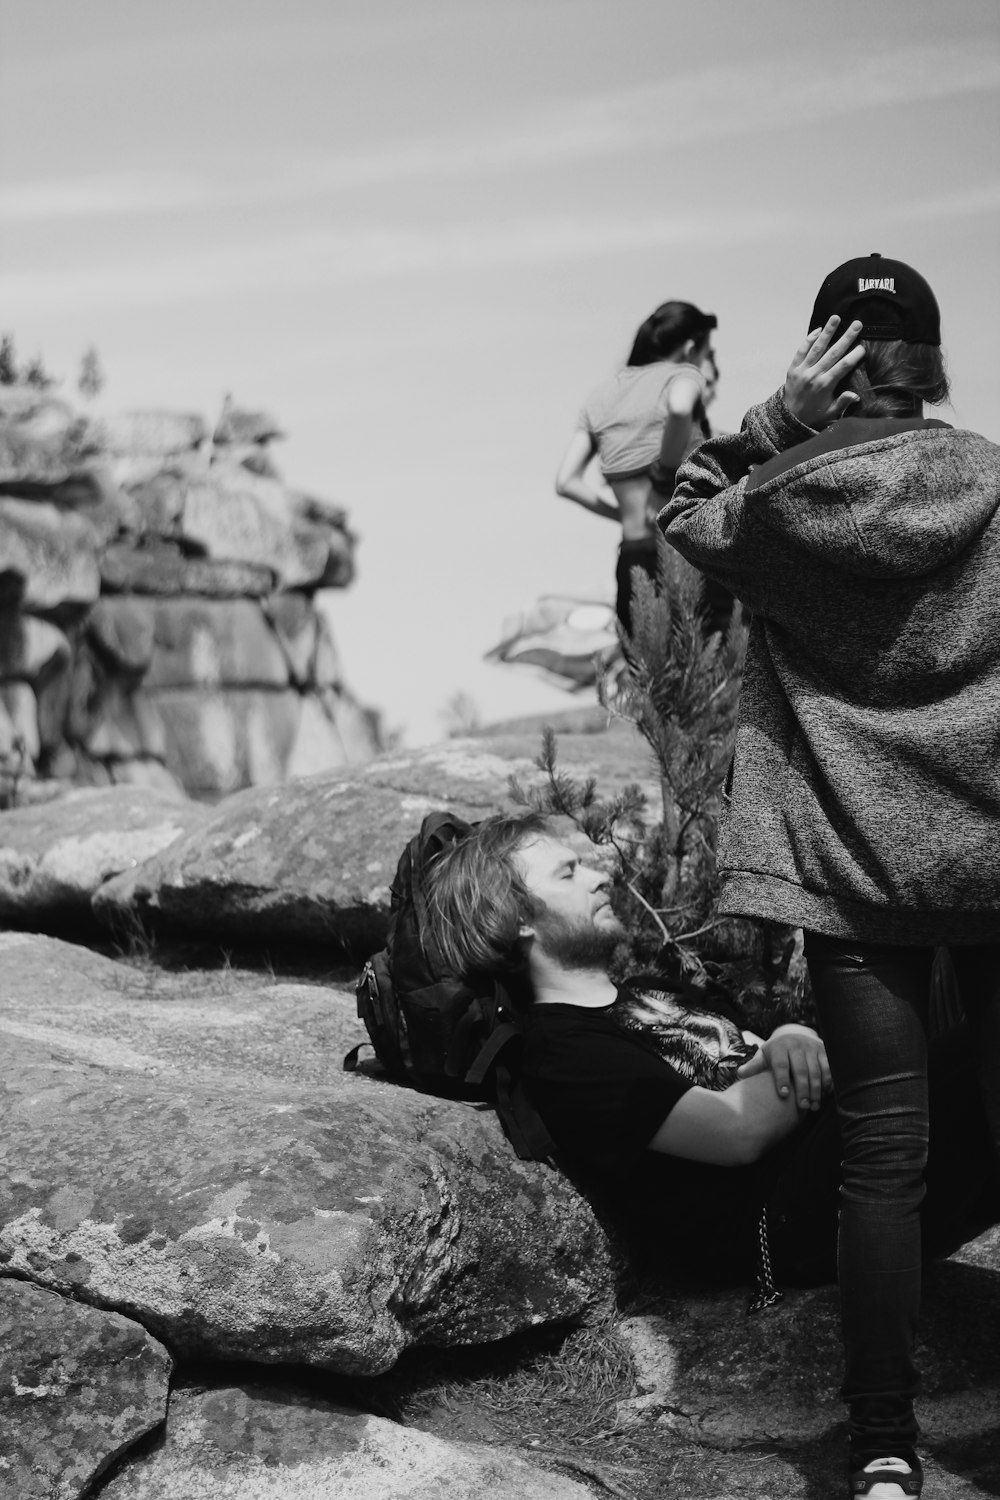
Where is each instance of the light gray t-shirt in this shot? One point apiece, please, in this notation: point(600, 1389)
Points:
point(625, 415)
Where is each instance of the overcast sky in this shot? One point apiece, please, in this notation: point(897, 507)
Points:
point(420, 231)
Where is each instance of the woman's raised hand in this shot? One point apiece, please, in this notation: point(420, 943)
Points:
point(817, 368)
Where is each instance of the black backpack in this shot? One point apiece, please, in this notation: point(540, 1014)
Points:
point(438, 1033)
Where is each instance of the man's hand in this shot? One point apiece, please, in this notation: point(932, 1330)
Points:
point(817, 368)
point(796, 1058)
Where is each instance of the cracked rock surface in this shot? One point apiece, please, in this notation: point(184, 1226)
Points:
point(314, 858)
point(77, 1388)
point(246, 1442)
point(201, 1163)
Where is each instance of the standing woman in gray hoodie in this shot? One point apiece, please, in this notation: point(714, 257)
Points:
point(864, 798)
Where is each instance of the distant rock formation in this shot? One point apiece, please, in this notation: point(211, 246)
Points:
point(158, 620)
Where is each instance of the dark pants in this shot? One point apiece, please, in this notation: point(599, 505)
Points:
point(635, 554)
point(873, 1002)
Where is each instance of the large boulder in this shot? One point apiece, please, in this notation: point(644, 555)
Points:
point(159, 434)
point(54, 856)
point(218, 739)
point(19, 728)
point(157, 566)
point(313, 859)
point(237, 516)
point(31, 650)
point(211, 643)
point(179, 675)
point(709, 1372)
point(296, 624)
point(123, 630)
point(334, 729)
point(201, 1163)
point(268, 1442)
point(36, 414)
point(53, 552)
point(77, 1388)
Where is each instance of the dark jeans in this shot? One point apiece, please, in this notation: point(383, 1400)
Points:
point(640, 553)
point(873, 1003)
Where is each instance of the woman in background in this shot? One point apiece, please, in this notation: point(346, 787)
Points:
point(652, 409)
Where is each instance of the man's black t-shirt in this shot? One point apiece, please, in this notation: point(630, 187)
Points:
point(604, 1080)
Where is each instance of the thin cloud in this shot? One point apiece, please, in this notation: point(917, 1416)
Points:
point(329, 258)
point(717, 102)
point(100, 195)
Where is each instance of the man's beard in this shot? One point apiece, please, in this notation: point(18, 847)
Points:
point(576, 945)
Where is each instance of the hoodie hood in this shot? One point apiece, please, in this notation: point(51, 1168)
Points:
point(898, 505)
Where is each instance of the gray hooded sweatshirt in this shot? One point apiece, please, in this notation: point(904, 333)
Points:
point(865, 788)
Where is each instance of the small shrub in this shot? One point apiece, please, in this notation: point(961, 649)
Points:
point(680, 688)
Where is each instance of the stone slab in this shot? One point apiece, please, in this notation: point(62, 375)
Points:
point(30, 650)
point(708, 1372)
point(213, 643)
point(160, 568)
point(53, 551)
point(128, 726)
point(55, 855)
point(218, 740)
point(314, 858)
point(154, 433)
point(238, 1214)
point(124, 630)
point(20, 708)
point(236, 516)
point(259, 1442)
point(333, 731)
point(78, 1387)
point(294, 620)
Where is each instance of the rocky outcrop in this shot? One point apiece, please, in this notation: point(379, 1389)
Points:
point(710, 1373)
point(181, 1148)
point(78, 1387)
point(314, 859)
point(55, 855)
point(207, 1168)
point(158, 605)
point(260, 1442)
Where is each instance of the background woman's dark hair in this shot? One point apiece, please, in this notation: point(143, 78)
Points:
point(894, 379)
point(665, 330)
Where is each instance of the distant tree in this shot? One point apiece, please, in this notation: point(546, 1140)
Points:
point(37, 375)
point(460, 715)
point(90, 381)
point(8, 361)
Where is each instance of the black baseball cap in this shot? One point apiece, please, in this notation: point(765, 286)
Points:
point(891, 299)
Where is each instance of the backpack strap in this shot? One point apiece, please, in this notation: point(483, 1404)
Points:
point(381, 1016)
point(499, 1039)
point(351, 1058)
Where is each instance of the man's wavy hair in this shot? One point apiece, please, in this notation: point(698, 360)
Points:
point(477, 898)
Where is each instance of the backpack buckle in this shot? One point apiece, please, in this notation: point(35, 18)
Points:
point(366, 989)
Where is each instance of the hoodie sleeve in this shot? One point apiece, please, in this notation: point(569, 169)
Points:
point(712, 521)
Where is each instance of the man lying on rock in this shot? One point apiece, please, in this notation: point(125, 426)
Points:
point(720, 1144)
